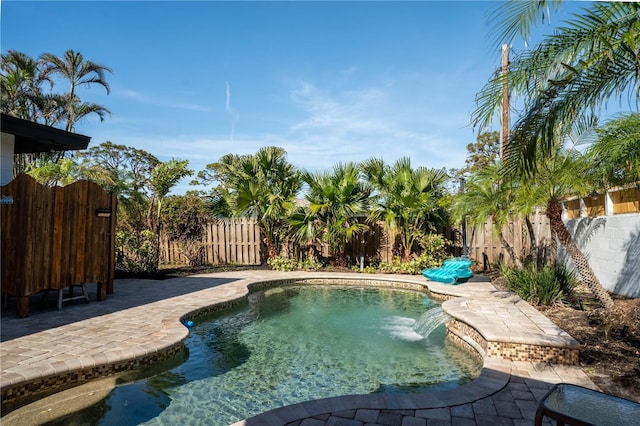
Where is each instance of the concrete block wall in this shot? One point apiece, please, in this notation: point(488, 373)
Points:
point(612, 245)
point(6, 158)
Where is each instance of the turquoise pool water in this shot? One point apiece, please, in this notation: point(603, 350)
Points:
point(289, 345)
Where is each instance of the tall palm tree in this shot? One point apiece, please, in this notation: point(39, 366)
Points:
point(407, 200)
point(262, 185)
point(22, 95)
point(588, 61)
point(570, 76)
point(73, 68)
point(21, 81)
point(338, 201)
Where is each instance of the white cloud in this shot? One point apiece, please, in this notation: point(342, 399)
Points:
point(161, 103)
point(338, 124)
point(357, 124)
point(342, 113)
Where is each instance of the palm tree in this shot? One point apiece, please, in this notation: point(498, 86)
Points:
point(559, 176)
point(528, 197)
point(565, 80)
point(616, 153)
point(22, 96)
point(263, 185)
point(487, 195)
point(78, 72)
point(21, 80)
point(407, 200)
point(338, 201)
point(568, 77)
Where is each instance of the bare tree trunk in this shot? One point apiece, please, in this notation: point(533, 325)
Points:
point(533, 251)
point(554, 213)
point(510, 250)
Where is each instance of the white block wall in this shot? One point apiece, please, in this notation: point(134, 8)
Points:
point(612, 245)
point(6, 158)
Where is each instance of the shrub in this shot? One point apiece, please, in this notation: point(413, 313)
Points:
point(434, 246)
point(183, 220)
point(309, 265)
point(137, 252)
point(369, 269)
point(433, 253)
point(281, 263)
point(540, 286)
point(414, 266)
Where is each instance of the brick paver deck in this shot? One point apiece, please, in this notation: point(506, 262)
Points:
point(141, 322)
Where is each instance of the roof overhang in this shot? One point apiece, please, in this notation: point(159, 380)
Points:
point(33, 137)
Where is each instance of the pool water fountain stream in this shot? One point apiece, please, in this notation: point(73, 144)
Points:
point(430, 320)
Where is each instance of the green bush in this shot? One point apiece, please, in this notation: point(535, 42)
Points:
point(309, 265)
point(414, 266)
point(281, 263)
point(369, 269)
point(434, 251)
point(540, 286)
point(435, 247)
point(137, 252)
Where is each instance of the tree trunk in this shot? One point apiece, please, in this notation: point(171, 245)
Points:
point(406, 254)
point(509, 250)
point(532, 237)
point(272, 250)
point(149, 220)
point(553, 248)
point(554, 213)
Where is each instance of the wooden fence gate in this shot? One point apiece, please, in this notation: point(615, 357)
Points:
point(52, 237)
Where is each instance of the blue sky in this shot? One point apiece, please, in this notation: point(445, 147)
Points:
point(327, 81)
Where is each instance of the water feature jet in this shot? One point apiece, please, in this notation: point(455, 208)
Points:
point(429, 321)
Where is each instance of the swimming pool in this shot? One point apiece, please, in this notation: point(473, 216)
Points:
point(291, 344)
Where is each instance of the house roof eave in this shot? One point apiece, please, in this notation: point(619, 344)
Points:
point(33, 137)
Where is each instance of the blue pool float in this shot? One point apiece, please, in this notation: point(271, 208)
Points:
point(452, 271)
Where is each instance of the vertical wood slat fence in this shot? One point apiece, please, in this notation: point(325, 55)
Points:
point(52, 237)
point(225, 242)
point(239, 242)
point(484, 241)
point(221, 244)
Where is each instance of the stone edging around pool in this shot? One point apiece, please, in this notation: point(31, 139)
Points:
point(472, 330)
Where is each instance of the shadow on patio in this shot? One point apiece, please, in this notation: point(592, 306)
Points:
point(129, 293)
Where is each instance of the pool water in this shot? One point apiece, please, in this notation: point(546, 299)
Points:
point(288, 345)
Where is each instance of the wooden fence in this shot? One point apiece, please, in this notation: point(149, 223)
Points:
point(52, 237)
point(484, 245)
point(620, 200)
point(239, 242)
point(225, 242)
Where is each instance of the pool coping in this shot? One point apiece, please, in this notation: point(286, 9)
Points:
point(163, 335)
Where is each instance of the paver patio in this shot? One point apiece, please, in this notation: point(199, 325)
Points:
point(142, 319)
